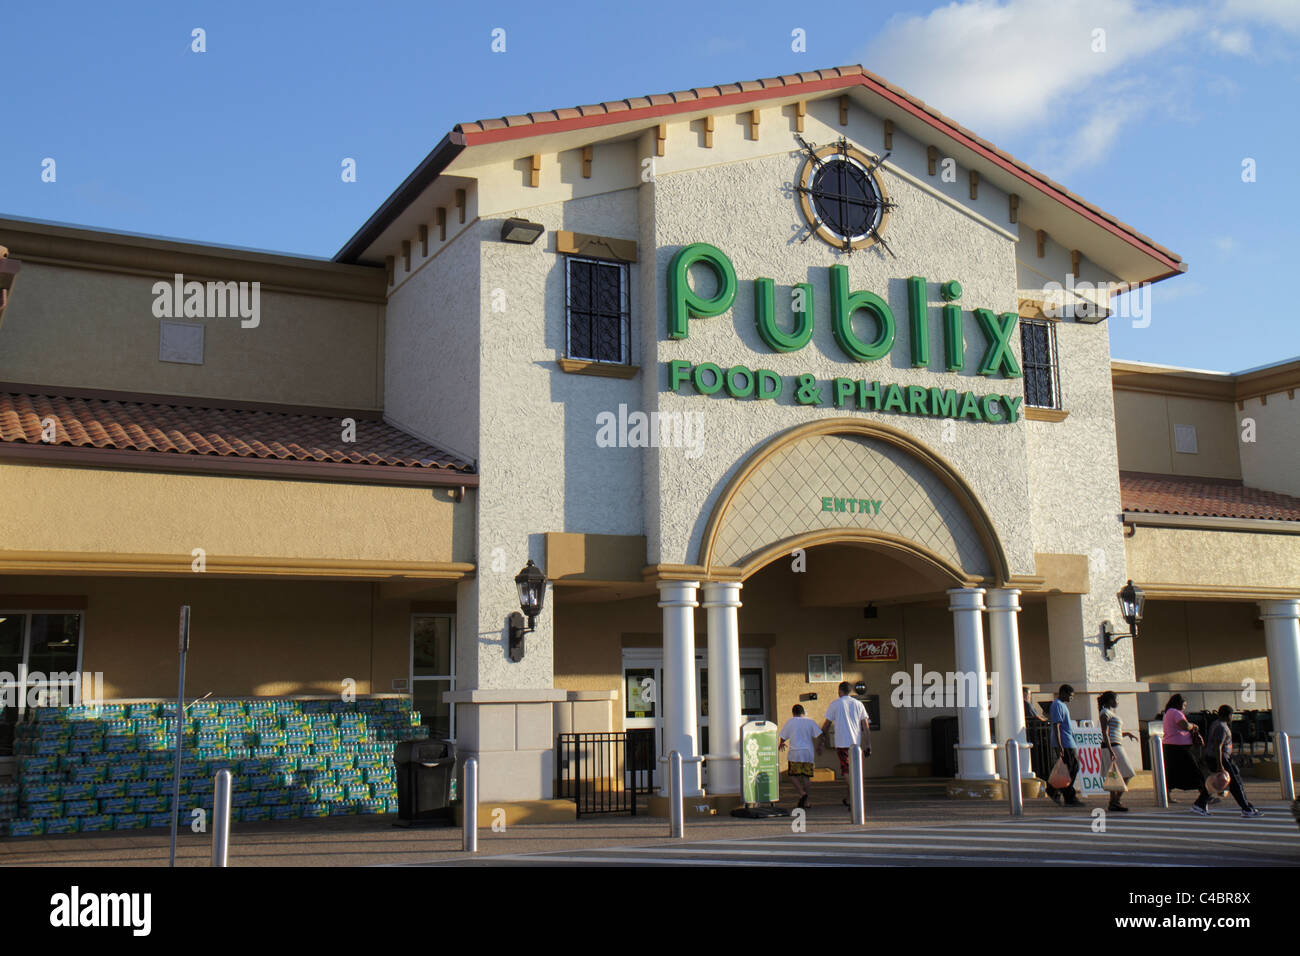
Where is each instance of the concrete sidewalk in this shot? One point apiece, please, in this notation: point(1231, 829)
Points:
point(374, 840)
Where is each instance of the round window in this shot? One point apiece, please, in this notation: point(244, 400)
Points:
point(841, 198)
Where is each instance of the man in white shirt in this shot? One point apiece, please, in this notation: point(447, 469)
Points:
point(849, 718)
point(800, 732)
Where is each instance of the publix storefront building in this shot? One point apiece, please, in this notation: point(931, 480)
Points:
point(777, 385)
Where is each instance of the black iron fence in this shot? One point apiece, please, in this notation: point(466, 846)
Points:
point(604, 772)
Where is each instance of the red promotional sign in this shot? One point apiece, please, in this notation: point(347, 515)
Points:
point(874, 649)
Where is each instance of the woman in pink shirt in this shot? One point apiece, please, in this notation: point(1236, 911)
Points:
point(1182, 772)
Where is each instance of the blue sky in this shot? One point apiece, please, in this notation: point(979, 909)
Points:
point(242, 144)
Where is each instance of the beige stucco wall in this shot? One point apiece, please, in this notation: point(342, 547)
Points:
point(1272, 460)
point(102, 512)
point(1074, 501)
point(1144, 426)
point(431, 348)
point(91, 329)
point(247, 637)
point(754, 226)
point(1201, 642)
point(540, 468)
point(1234, 560)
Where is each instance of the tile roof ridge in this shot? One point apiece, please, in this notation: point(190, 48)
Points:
point(186, 401)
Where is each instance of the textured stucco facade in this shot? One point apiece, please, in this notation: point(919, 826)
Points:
point(493, 315)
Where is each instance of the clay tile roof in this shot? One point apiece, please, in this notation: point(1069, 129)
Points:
point(225, 432)
point(1203, 497)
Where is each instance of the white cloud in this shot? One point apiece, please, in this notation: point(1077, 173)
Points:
point(1226, 244)
point(1231, 41)
point(1001, 67)
point(1091, 142)
point(1278, 13)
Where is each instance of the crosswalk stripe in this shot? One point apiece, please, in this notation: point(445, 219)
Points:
point(676, 857)
point(1008, 847)
point(1152, 839)
point(940, 849)
point(1156, 838)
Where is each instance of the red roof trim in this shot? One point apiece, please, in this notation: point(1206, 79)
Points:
point(626, 114)
point(604, 118)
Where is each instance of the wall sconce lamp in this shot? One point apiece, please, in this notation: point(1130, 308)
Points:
point(1131, 601)
point(521, 231)
point(531, 583)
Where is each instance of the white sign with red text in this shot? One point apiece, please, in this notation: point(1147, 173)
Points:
point(1087, 739)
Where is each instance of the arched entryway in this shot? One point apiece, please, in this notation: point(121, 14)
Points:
point(896, 519)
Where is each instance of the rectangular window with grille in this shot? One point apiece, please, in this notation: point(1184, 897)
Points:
point(596, 306)
point(1038, 357)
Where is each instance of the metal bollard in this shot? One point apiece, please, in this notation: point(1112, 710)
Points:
point(857, 800)
point(1282, 742)
point(1014, 792)
point(676, 808)
point(1158, 769)
point(221, 818)
point(469, 839)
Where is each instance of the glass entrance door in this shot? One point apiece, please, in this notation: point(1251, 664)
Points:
point(753, 695)
point(643, 690)
point(40, 659)
point(433, 672)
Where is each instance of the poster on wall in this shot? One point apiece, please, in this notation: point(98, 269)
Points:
point(871, 649)
point(825, 668)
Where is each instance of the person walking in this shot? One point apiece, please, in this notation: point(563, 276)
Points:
point(1218, 754)
point(1182, 772)
point(849, 718)
point(800, 732)
point(1066, 747)
point(1112, 740)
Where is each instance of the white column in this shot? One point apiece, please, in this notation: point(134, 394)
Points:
point(1004, 643)
point(722, 601)
point(974, 749)
point(1282, 644)
point(680, 707)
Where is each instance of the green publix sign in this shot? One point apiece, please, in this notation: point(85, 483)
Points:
point(739, 381)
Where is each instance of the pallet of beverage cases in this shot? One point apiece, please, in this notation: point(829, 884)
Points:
point(109, 767)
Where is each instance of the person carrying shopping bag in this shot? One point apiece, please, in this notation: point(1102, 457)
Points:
point(1119, 770)
point(1218, 754)
point(1067, 751)
point(1182, 771)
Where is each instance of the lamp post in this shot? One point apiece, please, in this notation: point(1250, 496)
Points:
point(531, 584)
point(1131, 601)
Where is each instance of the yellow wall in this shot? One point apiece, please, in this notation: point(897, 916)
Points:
point(46, 508)
point(248, 637)
point(91, 329)
point(1215, 561)
point(1144, 426)
point(1200, 642)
